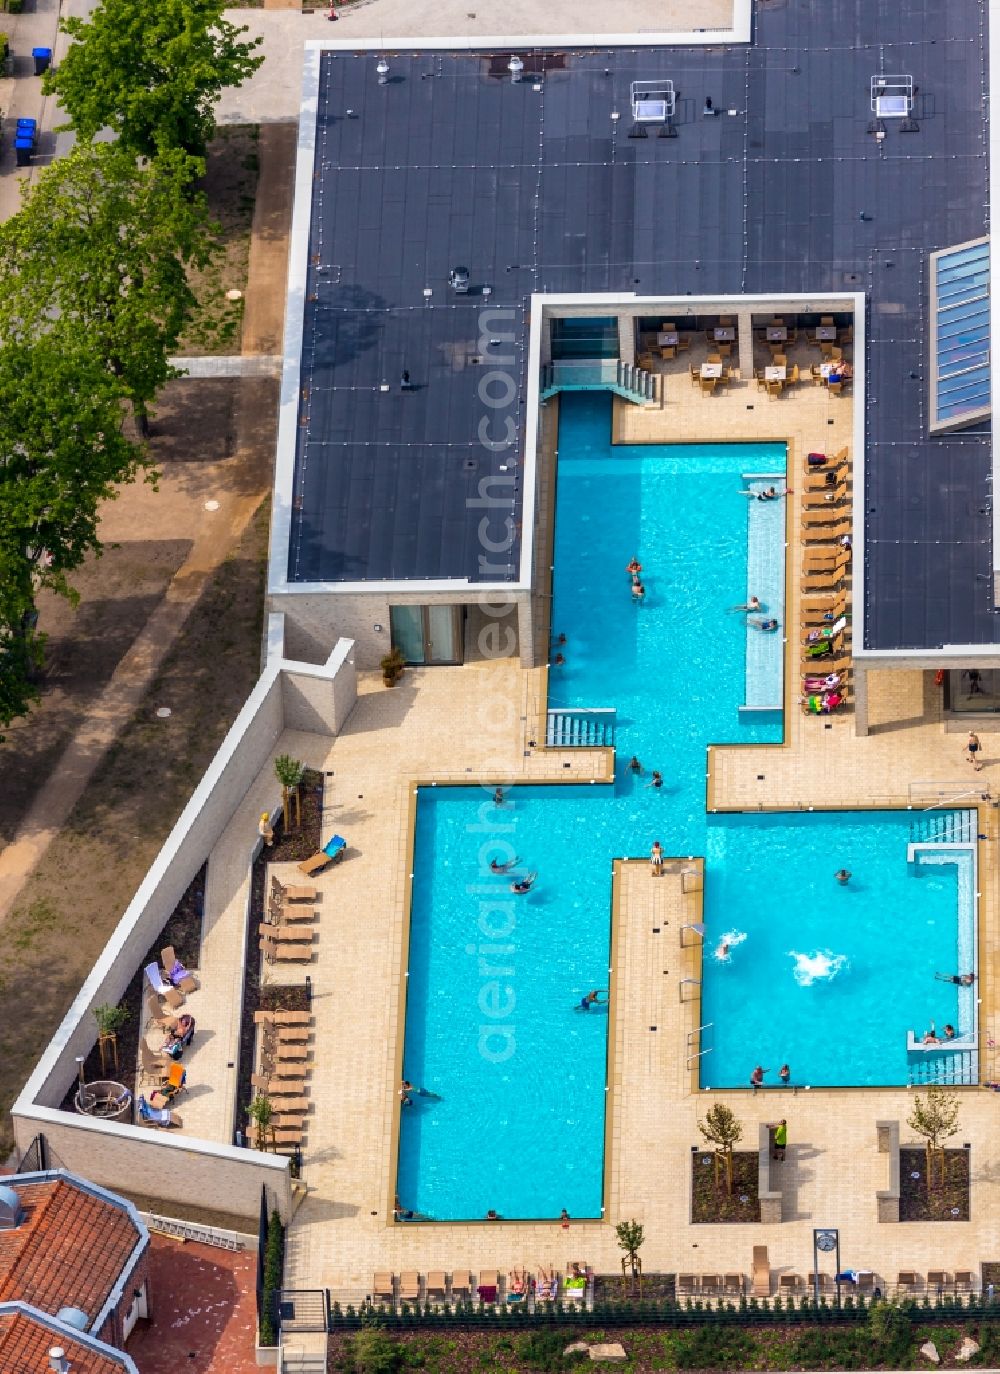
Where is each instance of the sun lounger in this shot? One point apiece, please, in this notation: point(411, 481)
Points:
point(172, 1087)
point(711, 1285)
point(436, 1286)
point(461, 1284)
point(281, 1089)
point(291, 1018)
point(147, 1115)
point(409, 1286)
point(547, 1286)
point(177, 975)
point(292, 915)
point(733, 1284)
point(827, 495)
point(518, 1286)
point(965, 1280)
point(291, 953)
point(574, 1286)
point(290, 1069)
point(687, 1285)
point(288, 1054)
point(790, 1283)
point(161, 988)
point(331, 852)
point(908, 1279)
point(938, 1278)
point(290, 1034)
point(292, 893)
point(760, 1273)
point(825, 1282)
point(824, 519)
point(152, 1067)
point(383, 1288)
point(488, 1286)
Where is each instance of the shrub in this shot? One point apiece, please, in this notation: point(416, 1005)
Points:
point(374, 1352)
point(713, 1347)
point(544, 1349)
point(274, 1258)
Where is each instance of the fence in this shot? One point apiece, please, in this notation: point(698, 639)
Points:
point(788, 1311)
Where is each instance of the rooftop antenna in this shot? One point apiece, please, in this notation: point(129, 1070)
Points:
point(516, 67)
point(382, 70)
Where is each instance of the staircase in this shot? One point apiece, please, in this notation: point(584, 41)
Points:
point(590, 729)
point(944, 827)
point(957, 1069)
point(189, 1230)
point(303, 1354)
point(600, 374)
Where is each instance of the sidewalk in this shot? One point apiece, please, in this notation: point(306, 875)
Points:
point(21, 97)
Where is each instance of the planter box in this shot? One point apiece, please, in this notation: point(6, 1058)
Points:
point(266, 1356)
point(888, 1144)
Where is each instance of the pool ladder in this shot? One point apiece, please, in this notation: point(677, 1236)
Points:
point(950, 827)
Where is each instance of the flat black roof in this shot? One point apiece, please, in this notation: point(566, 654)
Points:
point(451, 164)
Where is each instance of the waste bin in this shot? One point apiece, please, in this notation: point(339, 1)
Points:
point(23, 149)
point(42, 58)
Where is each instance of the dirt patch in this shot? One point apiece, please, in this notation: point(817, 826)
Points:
point(288, 847)
point(231, 170)
point(709, 1199)
point(946, 1199)
point(73, 901)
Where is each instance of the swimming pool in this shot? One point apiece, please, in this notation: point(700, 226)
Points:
point(828, 979)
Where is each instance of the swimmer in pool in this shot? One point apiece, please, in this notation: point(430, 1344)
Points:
point(524, 884)
point(592, 999)
point(497, 867)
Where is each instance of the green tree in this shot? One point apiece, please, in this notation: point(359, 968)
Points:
point(721, 1129)
point(373, 1351)
point(935, 1117)
point(104, 246)
point(261, 1113)
point(62, 450)
point(631, 1235)
point(152, 73)
point(289, 773)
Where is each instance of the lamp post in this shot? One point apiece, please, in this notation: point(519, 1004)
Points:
point(826, 1239)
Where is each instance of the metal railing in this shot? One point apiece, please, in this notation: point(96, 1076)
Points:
point(599, 374)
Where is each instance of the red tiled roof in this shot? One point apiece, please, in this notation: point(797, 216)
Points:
point(25, 1344)
point(68, 1251)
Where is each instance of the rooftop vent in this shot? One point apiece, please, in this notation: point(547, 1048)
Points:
point(516, 68)
point(653, 101)
point(58, 1361)
point(892, 96)
point(11, 1214)
point(74, 1317)
point(459, 280)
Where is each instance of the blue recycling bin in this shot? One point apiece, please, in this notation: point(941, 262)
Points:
point(23, 149)
point(42, 58)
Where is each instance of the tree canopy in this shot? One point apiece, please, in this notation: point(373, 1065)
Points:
point(151, 73)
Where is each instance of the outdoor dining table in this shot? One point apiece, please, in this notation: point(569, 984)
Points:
point(774, 374)
point(666, 338)
point(777, 333)
point(826, 333)
point(824, 369)
point(724, 334)
point(711, 370)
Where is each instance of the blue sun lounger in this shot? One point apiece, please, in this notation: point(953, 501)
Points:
point(331, 852)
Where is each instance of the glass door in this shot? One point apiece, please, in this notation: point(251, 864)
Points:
point(427, 634)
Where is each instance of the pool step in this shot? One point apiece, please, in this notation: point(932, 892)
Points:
point(590, 729)
point(945, 827)
point(957, 1069)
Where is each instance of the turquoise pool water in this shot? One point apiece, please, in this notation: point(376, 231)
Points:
point(828, 979)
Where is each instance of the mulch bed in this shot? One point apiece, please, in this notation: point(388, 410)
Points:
point(183, 931)
point(653, 1288)
point(712, 1203)
point(947, 1201)
point(292, 846)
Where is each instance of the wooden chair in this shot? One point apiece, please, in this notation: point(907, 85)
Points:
point(683, 343)
point(708, 385)
point(826, 320)
point(835, 388)
point(153, 1067)
point(383, 1287)
point(759, 378)
point(816, 372)
point(774, 389)
point(725, 349)
point(715, 357)
point(780, 358)
point(726, 322)
point(668, 351)
point(695, 374)
point(760, 1273)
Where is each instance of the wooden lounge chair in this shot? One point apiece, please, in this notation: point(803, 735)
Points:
point(823, 519)
point(817, 479)
point(866, 1280)
point(290, 1107)
point(965, 1280)
point(825, 497)
point(938, 1278)
point(383, 1287)
point(291, 1018)
point(155, 1014)
point(488, 1286)
point(284, 935)
point(436, 1286)
point(711, 1285)
point(153, 1068)
point(290, 892)
point(272, 1086)
point(331, 852)
point(760, 1273)
point(287, 1054)
point(291, 1070)
point(733, 1285)
point(168, 958)
point(162, 1118)
point(817, 561)
point(166, 990)
point(825, 610)
point(825, 534)
point(289, 914)
point(461, 1284)
point(687, 1285)
point(297, 953)
point(822, 578)
point(289, 1035)
point(790, 1283)
point(909, 1280)
point(826, 1283)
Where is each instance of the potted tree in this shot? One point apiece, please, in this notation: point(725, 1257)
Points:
point(392, 666)
point(289, 773)
point(630, 1238)
point(110, 1020)
point(935, 1117)
point(722, 1130)
point(260, 1113)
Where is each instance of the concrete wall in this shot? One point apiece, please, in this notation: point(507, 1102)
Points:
point(321, 700)
point(314, 619)
point(183, 1172)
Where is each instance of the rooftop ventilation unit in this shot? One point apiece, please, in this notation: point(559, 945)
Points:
point(459, 280)
point(516, 68)
point(73, 1317)
point(11, 1214)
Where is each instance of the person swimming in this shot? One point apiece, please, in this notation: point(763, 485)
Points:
point(497, 867)
point(633, 568)
point(592, 999)
point(524, 884)
point(752, 604)
point(769, 624)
